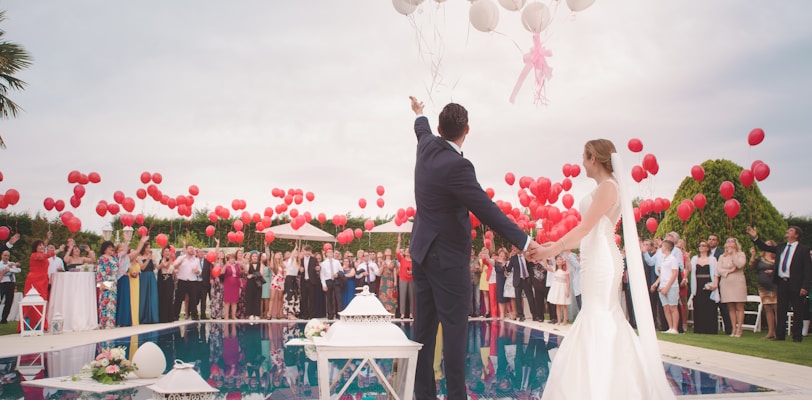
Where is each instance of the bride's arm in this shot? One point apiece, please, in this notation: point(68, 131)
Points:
point(605, 196)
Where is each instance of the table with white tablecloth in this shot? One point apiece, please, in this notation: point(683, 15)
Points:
point(73, 296)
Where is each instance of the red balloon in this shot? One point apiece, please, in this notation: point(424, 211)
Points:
point(732, 208)
point(141, 193)
point(684, 211)
point(74, 225)
point(12, 196)
point(638, 173)
point(651, 224)
point(369, 224)
point(635, 145)
point(162, 240)
point(139, 219)
point(566, 184)
point(753, 165)
point(568, 201)
point(650, 163)
point(700, 201)
point(510, 179)
point(224, 213)
point(75, 202)
point(380, 202)
point(157, 178)
point(293, 213)
point(1, 177)
point(145, 178)
point(118, 196)
point(215, 272)
point(128, 204)
point(698, 173)
point(269, 237)
point(410, 212)
point(379, 190)
point(73, 176)
point(231, 236)
point(245, 217)
point(490, 193)
point(268, 212)
point(288, 199)
point(211, 256)
point(755, 136)
point(637, 214)
point(726, 189)
point(239, 236)
point(658, 205)
point(210, 230)
point(567, 170)
point(296, 199)
point(83, 179)
point(127, 220)
point(255, 217)
point(575, 170)
point(746, 177)
point(310, 196)
point(113, 208)
point(4, 232)
point(761, 172)
point(362, 202)
point(142, 231)
point(322, 218)
point(194, 190)
point(79, 191)
point(94, 177)
point(238, 225)
point(59, 205)
point(65, 217)
point(48, 203)
point(358, 233)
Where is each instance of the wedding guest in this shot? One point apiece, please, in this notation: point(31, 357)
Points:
point(405, 282)
point(293, 268)
point(55, 264)
point(310, 284)
point(476, 275)
point(349, 277)
point(733, 284)
point(499, 269)
point(148, 305)
point(387, 291)
point(253, 286)
point(650, 264)
point(7, 271)
point(231, 286)
point(559, 293)
point(9, 244)
point(267, 275)
point(574, 267)
point(166, 286)
point(683, 285)
point(106, 277)
point(716, 252)
point(37, 277)
point(187, 270)
point(509, 289)
point(216, 293)
point(667, 285)
point(203, 284)
point(521, 282)
point(277, 284)
point(703, 290)
point(764, 264)
point(540, 293)
point(330, 268)
point(74, 259)
point(486, 269)
point(129, 284)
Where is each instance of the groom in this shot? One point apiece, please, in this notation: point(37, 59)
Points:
point(445, 189)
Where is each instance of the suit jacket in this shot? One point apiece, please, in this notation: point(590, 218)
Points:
point(312, 274)
point(513, 264)
point(205, 274)
point(800, 268)
point(445, 189)
point(718, 252)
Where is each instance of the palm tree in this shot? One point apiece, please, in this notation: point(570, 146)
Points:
point(13, 58)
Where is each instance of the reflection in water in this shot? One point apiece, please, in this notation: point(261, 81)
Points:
point(250, 361)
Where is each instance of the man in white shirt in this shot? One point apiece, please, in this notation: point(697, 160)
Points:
point(188, 268)
point(55, 264)
point(666, 285)
point(366, 271)
point(328, 274)
point(7, 279)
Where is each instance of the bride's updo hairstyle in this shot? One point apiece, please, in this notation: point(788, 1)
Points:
point(602, 150)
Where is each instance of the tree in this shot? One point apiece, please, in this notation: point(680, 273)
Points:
point(756, 211)
point(13, 59)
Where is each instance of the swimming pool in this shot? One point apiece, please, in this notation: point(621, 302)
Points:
point(245, 360)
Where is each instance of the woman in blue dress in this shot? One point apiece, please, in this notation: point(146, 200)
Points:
point(148, 307)
point(349, 273)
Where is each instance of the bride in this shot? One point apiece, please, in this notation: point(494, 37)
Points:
point(601, 357)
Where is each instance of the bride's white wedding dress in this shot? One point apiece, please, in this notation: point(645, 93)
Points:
point(601, 357)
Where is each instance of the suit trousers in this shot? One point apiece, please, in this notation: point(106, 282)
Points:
point(204, 290)
point(306, 300)
point(788, 297)
point(332, 299)
point(443, 297)
point(7, 293)
point(185, 288)
point(540, 297)
point(526, 287)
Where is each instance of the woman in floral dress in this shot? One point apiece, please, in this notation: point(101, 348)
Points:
point(277, 268)
point(106, 276)
point(216, 293)
point(388, 290)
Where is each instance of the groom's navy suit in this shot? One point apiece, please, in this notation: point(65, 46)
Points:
point(446, 188)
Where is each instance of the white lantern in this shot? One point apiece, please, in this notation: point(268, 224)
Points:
point(32, 305)
point(182, 383)
point(56, 323)
point(150, 361)
point(365, 331)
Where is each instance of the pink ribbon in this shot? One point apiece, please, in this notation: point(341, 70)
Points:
point(536, 60)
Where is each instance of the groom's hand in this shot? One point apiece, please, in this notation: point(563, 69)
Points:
point(417, 106)
point(534, 252)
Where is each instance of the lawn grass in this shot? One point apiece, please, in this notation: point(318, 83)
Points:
point(750, 344)
point(9, 328)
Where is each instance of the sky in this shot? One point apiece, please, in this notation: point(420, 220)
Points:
point(242, 97)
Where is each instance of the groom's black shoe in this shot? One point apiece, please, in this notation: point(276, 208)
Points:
point(521, 318)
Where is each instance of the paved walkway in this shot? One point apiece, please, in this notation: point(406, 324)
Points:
point(789, 381)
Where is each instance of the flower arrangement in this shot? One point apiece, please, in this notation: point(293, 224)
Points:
point(110, 366)
point(314, 328)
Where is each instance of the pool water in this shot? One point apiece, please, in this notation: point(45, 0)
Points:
point(244, 360)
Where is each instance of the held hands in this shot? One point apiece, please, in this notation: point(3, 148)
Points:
point(417, 106)
point(533, 252)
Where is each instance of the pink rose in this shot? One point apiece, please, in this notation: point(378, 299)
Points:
point(111, 369)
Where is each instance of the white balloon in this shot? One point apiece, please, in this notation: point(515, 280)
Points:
point(414, 2)
point(404, 6)
point(536, 17)
point(512, 5)
point(484, 15)
point(579, 5)
point(150, 361)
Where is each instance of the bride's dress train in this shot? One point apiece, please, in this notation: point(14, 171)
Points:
point(601, 357)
